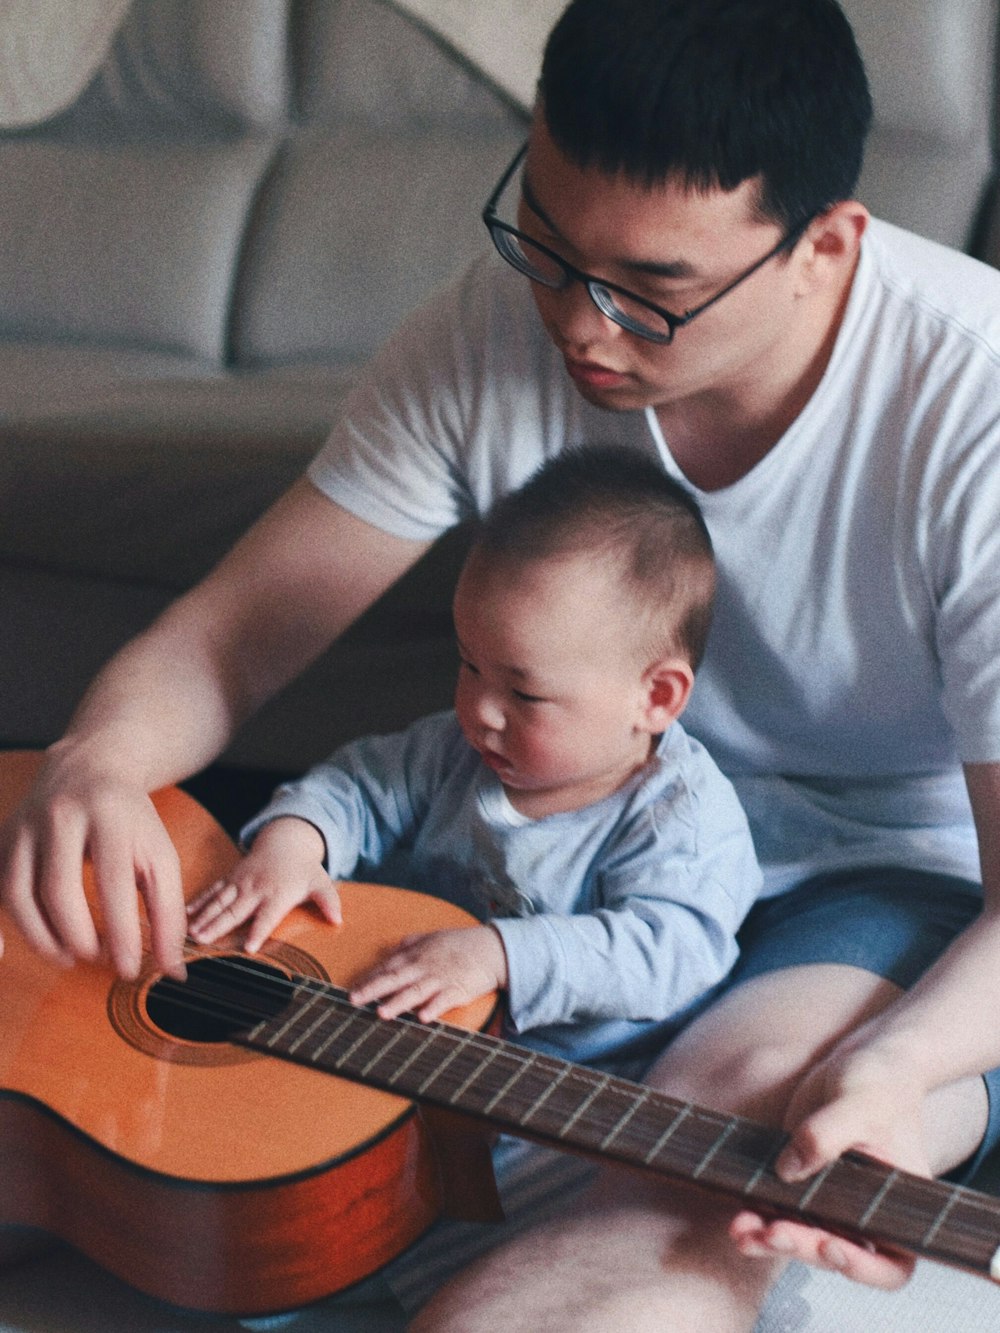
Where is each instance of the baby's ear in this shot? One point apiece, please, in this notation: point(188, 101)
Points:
point(667, 690)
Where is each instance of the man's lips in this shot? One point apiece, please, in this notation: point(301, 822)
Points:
point(594, 375)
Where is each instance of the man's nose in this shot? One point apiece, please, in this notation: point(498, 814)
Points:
point(578, 320)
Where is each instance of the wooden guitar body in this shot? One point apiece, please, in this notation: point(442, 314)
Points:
point(208, 1175)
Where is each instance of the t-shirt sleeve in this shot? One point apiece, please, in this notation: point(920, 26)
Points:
point(463, 403)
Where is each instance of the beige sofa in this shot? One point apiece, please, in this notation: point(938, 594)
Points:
point(200, 252)
point(197, 256)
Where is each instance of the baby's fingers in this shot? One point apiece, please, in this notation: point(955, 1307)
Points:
point(219, 910)
point(274, 907)
point(391, 978)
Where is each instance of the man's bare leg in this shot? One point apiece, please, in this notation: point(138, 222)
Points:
point(639, 1254)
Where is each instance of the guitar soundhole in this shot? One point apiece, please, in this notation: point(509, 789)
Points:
point(193, 1023)
point(222, 996)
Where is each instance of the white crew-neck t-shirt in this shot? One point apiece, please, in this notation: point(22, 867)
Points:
point(854, 661)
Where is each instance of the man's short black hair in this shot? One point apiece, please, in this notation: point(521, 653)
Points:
point(617, 507)
point(712, 92)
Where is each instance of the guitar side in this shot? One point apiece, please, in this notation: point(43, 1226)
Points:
point(205, 1175)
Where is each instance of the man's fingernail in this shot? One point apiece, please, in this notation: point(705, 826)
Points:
point(790, 1165)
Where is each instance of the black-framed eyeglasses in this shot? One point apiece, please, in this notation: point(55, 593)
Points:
point(632, 312)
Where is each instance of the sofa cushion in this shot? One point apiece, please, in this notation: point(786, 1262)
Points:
point(151, 482)
point(352, 230)
point(125, 245)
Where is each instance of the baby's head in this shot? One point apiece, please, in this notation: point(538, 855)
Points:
point(581, 614)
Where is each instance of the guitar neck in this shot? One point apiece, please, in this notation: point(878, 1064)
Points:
point(578, 1109)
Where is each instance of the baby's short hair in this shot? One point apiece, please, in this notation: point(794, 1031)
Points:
point(614, 504)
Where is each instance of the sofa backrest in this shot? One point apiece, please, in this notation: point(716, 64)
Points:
point(249, 182)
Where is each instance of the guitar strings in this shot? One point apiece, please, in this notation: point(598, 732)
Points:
point(258, 985)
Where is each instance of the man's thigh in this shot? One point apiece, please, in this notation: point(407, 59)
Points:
point(748, 1051)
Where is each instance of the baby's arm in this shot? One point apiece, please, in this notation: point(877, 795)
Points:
point(283, 868)
point(430, 974)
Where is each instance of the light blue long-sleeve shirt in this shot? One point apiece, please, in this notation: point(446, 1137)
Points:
point(618, 919)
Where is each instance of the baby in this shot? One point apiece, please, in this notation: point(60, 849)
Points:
point(560, 802)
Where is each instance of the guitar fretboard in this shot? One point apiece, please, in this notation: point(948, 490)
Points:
point(580, 1109)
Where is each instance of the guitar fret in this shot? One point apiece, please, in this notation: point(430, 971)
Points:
point(279, 1033)
point(816, 1184)
point(358, 1041)
point(594, 1093)
point(379, 1054)
point(873, 1207)
point(681, 1115)
point(331, 1038)
point(762, 1170)
point(483, 1065)
point(457, 1047)
point(714, 1149)
point(414, 1055)
point(304, 1036)
point(931, 1234)
point(499, 1096)
point(540, 1101)
point(623, 1120)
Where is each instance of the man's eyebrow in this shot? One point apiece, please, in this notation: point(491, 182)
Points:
point(653, 268)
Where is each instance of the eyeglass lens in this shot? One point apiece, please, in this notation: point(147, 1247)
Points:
point(538, 264)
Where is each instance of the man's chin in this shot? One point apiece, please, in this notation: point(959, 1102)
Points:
point(628, 398)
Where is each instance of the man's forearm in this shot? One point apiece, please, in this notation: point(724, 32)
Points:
point(155, 714)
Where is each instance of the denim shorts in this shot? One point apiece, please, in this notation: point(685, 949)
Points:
point(888, 921)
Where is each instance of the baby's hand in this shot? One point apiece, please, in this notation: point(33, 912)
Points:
point(283, 869)
point(429, 974)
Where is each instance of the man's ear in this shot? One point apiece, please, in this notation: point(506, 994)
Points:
point(667, 689)
point(831, 243)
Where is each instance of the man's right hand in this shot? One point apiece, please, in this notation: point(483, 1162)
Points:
point(72, 813)
point(165, 706)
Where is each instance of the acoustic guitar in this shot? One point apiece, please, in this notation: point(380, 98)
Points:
point(150, 1125)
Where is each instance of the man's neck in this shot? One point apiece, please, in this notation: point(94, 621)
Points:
point(718, 438)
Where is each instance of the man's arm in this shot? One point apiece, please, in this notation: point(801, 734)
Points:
point(880, 1089)
point(165, 706)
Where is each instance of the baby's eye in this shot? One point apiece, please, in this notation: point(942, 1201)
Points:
point(466, 665)
point(528, 698)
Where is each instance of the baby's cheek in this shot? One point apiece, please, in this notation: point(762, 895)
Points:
point(549, 751)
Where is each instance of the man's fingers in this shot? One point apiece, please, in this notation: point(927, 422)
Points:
point(20, 900)
point(159, 881)
point(58, 907)
point(757, 1238)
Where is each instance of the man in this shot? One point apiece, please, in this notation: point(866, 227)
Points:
point(712, 295)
